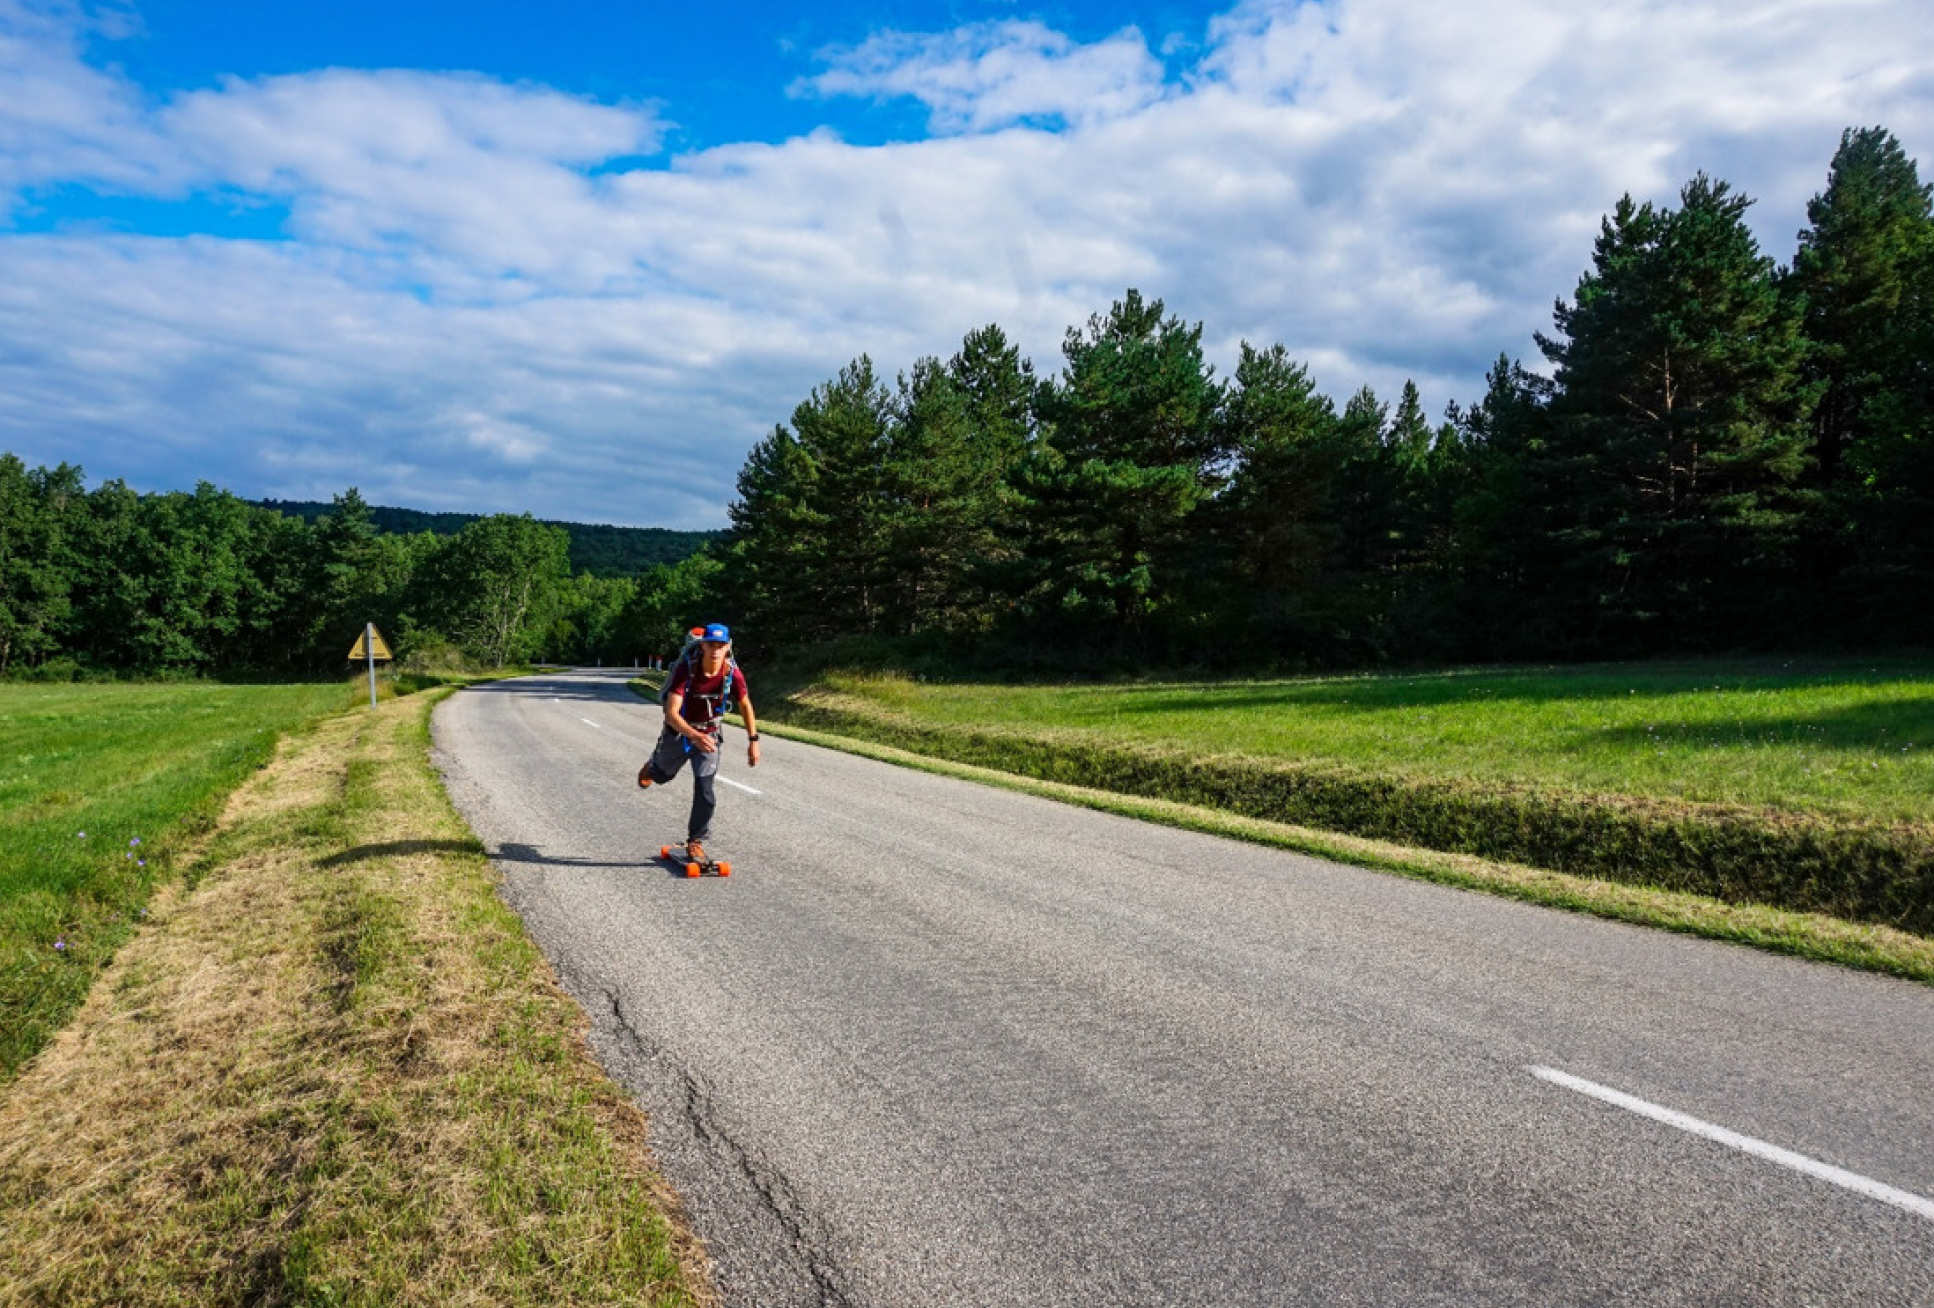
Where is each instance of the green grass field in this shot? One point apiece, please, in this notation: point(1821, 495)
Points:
point(101, 788)
point(1845, 738)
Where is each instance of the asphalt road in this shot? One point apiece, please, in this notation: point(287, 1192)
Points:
point(940, 1044)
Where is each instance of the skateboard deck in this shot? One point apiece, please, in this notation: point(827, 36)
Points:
point(693, 868)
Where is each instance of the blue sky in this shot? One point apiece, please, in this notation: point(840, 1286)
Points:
point(723, 79)
point(470, 260)
point(715, 82)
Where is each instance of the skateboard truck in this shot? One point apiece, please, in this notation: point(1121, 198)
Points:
point(693, 868)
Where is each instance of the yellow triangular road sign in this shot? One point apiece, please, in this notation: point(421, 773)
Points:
point(359, 651)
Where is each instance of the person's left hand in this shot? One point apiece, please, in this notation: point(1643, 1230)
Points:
point(752, 754)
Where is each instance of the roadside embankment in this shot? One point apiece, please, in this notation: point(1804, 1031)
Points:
point(1827, 866)
point(330, 1067)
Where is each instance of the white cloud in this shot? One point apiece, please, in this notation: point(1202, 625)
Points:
point(469, 313)
point(61, 120)
point(997, 73)
point(466, 168)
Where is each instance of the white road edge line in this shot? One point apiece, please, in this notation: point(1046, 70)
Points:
point(589, 723)
point(1873, 1189)
point(742, 786)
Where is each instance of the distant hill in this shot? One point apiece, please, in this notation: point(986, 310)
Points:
point(601, 550)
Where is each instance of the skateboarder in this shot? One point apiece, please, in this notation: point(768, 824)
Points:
point(696, 693)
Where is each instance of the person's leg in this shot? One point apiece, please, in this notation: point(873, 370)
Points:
point(704, 768)
point(666, 759)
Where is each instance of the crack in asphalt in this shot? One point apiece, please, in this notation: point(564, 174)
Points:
point(803, 1237)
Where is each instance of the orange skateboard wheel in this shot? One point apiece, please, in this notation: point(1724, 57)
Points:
point(664, 851)
point(725, 869)
point(691, 869)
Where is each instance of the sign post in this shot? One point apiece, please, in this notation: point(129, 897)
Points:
point(369, 647)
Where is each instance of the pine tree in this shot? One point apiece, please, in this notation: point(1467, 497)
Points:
point(1133, 446)
point(1363, 506)
point(1857, 266)
point(810, 530)
point(941, 489)
point(1277, 513)
point(1507, 559)
point(777, 546)
point(1866, 269)
point(1680, 412)
point(999, 387)
point(1413, 476)
point(1409, 434)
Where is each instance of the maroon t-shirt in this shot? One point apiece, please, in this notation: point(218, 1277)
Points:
point(705, 697)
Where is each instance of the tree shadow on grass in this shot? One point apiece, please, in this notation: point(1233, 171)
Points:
point(1516, 685)
point(1890, 727)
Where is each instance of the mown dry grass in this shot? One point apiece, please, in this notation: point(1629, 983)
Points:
point(335, 1071)
point(105, 792)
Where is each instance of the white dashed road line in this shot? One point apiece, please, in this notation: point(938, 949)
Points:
point(727, 780)
point(1873, 1189)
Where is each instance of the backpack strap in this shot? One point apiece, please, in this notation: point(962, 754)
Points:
point(716, 702)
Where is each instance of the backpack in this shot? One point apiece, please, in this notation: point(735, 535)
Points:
point(688, 658)
point(685, 656)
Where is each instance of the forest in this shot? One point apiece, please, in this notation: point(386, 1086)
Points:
point(600, 549)
point(207, 584)
point(1719, 453)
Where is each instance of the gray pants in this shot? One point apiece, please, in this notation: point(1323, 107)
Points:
point(674, 752)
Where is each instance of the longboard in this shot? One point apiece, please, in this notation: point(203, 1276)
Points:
point(698, 868)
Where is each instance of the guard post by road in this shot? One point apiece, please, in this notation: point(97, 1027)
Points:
point(369, 647)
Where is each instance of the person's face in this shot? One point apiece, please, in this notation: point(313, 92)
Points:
point(713, 652)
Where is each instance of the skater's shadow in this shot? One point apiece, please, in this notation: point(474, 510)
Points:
point(401, 849)
point(515, 853)
point(505, 853)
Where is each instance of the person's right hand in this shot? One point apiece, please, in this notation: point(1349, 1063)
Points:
point(703, 743)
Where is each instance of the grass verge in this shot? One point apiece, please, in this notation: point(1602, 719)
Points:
point(1858, 868)
point(336, 1071)
point(1806, 935)
point(1837, 737)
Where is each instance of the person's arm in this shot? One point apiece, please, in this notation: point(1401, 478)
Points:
point(675, 719)
point(751, 727)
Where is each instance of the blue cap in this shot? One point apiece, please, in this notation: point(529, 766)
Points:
point(717, 631)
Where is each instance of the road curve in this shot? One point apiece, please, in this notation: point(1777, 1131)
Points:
point(936, 1043)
